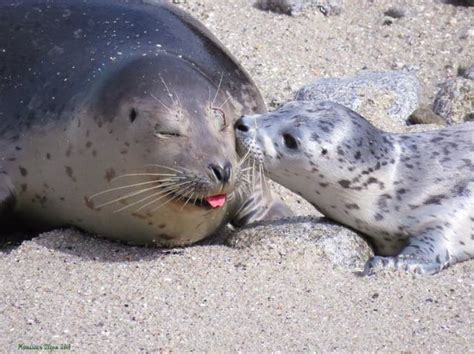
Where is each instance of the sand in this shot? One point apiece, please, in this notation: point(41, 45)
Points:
point(280, 294)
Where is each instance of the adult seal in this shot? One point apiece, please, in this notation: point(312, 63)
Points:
point(117, 117)
point(412, 195)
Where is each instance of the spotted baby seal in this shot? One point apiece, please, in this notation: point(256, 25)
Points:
point(411, 194)
point(117, 117)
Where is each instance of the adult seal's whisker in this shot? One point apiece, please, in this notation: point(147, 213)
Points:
point(175, 196)
point(164, 193)
point(180, 169)
point(93, 196)
point(145, 174)
point(164, 188)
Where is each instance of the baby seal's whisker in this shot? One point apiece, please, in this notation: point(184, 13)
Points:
point(263, 181)
point(244, 158)
point(254, 176)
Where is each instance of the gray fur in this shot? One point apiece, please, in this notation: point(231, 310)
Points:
point(116, 117)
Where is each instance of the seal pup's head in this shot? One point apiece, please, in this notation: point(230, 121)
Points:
point(305, 145)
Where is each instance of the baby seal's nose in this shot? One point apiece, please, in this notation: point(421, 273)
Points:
point(222, 174)
point(242, 125)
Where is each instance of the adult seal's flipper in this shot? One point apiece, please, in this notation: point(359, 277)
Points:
point(260, 205)
point(7, 197)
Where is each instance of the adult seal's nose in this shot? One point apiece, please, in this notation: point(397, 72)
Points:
point(241, 125)
point(221, 173)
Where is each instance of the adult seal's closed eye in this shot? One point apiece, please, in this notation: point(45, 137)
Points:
point(411, 194)
point(116, 117)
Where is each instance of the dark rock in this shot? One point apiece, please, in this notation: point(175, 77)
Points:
point(297, 7)
point(425, 115)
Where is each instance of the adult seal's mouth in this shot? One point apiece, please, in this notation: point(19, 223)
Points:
point(216, 201)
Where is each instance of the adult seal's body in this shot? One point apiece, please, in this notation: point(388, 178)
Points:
point(116, 117)
point(412, 195)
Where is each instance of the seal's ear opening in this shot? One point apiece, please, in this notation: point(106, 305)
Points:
point(133, 115)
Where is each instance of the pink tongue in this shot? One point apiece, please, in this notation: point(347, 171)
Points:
point(216, 201)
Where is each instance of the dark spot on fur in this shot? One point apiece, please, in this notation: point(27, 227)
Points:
point(110, 174)
point(88, 202)
point(435, 199)
point(344, 183)
point(378, 217)
point(372, 180)
point(69, 150)
point(382, 201)
point(69, 172)
point(23, 171)
point(352, 206)
point(165, 237)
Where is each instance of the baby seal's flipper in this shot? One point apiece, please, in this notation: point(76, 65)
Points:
point(426, 253)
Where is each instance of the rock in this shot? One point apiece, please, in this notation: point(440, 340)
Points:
point(395, 12)
point(341, 246)
point(467, 73)
point(467, 34)
point(425, 115)
point(455, 100)
point(297, 7)
point(386, 99)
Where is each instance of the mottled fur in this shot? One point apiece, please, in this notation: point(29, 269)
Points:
point(411, 194)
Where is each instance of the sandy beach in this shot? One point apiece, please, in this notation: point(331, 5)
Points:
point(273, 289)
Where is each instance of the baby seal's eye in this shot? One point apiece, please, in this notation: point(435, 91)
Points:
point(289, 141)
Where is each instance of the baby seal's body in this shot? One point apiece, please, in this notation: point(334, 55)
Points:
point(411, 194)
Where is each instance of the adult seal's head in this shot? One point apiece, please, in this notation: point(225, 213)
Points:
point(117, 117)
point(412, 195)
